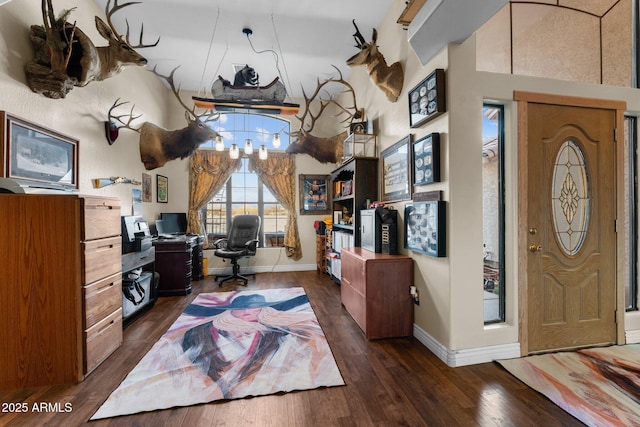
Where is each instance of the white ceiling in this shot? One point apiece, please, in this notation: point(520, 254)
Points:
point(205, 37)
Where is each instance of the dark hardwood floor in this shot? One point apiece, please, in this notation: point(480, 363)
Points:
point(391, 382)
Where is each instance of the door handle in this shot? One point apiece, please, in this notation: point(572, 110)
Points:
point(535, 248)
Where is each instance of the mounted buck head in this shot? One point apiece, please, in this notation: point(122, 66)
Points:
point(389, 79)
point(66, 56)
point(99, 63)
point(325, 150)
point(158, 145)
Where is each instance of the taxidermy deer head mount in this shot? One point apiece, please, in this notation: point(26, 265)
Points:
point(325, 150)
point(388, 78)
point(157, 145)
point(66, 57)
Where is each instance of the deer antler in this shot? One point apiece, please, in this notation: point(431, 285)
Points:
point(118, 118)
point(110, 11)
point(190, 113)
point(351, 111)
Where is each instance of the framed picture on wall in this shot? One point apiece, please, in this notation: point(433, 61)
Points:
point(425, 230)
point(33, 154)
point(162, 189)
point(315, 197)
point(396, 171)
point(146, 187)
point(427, 99)
point(426, 159)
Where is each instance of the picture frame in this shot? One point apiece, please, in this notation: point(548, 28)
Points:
point(426, 159)
point(146, 187)
point(37, 156)
point(397, 182)
point(427, 100)
point(425, 227)
point(315, 197)
point(162, 189)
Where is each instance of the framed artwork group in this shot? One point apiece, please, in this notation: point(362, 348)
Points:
point(409, 164)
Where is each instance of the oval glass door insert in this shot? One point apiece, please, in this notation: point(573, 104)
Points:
point(570, 198)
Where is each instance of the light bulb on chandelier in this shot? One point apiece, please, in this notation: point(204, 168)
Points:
point(248, 147)
point(219, 143)
point(262, 152)
point(276, 140)
point(234, 153)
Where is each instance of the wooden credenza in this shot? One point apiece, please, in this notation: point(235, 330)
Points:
point(61, 287)
point(375, 290)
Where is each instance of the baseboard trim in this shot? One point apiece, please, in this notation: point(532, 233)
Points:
point(263, 269)
point(632, 337)
point(472, 356)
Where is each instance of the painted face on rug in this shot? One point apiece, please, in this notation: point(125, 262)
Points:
point(247, 314)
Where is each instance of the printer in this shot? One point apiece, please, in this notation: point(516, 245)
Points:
point(135, 235)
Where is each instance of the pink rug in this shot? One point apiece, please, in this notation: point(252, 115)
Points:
point(230, 345)
point(600, 387)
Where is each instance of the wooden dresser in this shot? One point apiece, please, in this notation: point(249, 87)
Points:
point(375, 290)
point(60, 287)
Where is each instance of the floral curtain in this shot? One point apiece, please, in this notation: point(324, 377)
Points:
point(278, 173)
point(208, 172)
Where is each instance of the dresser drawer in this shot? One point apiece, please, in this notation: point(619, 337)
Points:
point(354, 303)
point(102, 298)
point(101, 258)
point(102, 339)
point(101, 217)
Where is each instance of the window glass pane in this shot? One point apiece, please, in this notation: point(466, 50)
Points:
point(236, 128)
point(630, 214)
point(267, 196)
point(492, 214)
point(215, 216)
point(570, 194)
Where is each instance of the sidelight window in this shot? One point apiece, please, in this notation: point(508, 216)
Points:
point(493, 213)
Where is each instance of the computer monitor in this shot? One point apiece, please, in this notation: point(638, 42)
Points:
point(174, 223)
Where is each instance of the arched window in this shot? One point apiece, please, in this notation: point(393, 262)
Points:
point(244, 191)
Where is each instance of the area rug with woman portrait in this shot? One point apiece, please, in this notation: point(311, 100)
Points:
point(598, 386)
point(229, 345)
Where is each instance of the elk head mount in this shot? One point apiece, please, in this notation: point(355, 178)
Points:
point(323, 149)
point(66, 56)
point(158, 145)
point(389, 78)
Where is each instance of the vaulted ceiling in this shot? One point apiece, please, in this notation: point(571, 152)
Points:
point(296, 40)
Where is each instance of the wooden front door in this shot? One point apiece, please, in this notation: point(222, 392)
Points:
point(570, 232)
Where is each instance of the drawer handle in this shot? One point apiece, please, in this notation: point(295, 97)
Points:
point(103, 248)
point(106, 288)
point(108, 325)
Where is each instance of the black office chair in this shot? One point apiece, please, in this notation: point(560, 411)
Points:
point(242, 241)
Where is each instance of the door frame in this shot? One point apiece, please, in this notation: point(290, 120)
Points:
point(524, 98)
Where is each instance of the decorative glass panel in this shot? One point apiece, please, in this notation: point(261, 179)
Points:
point(570, 194)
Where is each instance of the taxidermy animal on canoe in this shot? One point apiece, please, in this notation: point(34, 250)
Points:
point(158, 145)
point(246, 76)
